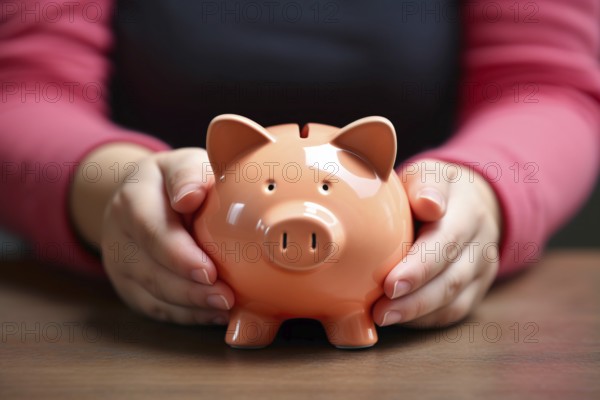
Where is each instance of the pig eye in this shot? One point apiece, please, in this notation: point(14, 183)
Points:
point(325, 187)
point(271, 186)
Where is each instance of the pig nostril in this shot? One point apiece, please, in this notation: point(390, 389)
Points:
point(314, 241)
point(284, 241)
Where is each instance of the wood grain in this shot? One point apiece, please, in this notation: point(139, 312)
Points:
point(535, 336)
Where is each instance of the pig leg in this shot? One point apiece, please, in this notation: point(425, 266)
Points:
point(250, 330)
point(351, 331)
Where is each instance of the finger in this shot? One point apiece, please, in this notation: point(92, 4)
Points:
point(427, 184)
point(439, 292)
point(188, 177)
point(142, 301)
point(438, 245)
point(166, 286)
point(123, 266)
point(459, 308)
point(150, 223)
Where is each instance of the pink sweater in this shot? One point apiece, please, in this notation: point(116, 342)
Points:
point(529, 117)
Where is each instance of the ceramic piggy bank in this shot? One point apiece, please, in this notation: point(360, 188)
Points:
point(303, 224)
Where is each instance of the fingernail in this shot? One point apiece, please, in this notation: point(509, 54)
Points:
point(433, 195)
point(391, 317)
point(201, 276)
point(401, 288)
point(217, 301)
point(219, 320)
point(184, 191)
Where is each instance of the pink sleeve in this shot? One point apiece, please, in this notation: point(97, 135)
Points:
point(53, 111)
point(530, 116)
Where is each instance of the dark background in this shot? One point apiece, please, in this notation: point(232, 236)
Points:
point(582, 230)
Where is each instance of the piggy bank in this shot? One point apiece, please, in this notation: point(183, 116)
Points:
point(303, 223)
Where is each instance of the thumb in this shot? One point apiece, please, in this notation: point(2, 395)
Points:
point(188, 177)
point(427, 189)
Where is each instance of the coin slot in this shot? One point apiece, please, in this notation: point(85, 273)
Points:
point(304, 132)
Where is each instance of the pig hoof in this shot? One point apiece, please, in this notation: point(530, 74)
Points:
point(247, 330)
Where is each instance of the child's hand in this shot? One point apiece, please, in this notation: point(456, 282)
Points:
point(455, 256)
point(152, 260)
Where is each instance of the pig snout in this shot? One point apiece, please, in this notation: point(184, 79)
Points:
point(299, 242)
point(302, 236)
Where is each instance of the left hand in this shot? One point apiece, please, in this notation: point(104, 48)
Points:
point(454, 259)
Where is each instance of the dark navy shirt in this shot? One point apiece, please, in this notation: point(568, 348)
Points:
point(179, 63)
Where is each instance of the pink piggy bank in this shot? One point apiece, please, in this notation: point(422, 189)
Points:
point(303, 224)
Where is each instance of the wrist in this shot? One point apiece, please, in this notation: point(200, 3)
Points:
point(490, 200)
point(88, 197)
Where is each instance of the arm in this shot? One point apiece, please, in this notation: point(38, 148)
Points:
point(60, 156)
point(531, 104)
point(53, 114)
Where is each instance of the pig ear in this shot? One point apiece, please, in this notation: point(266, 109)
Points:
point(229, 136)
point(374, 140)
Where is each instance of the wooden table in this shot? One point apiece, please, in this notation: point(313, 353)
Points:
point(535, 336)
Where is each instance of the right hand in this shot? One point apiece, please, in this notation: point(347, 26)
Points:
point(152, 260)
